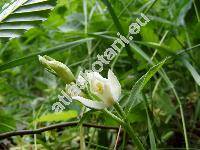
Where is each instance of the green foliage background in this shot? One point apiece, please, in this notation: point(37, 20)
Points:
point(27, 90)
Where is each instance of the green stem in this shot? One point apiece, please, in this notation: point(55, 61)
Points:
point(128, 127)
point(183, 120)
point(82, 138)
point(117, 119)
point(119, 29)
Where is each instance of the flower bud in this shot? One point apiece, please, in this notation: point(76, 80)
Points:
point(58, 68)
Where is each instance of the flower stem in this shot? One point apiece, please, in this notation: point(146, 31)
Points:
point(128, 127)
point(117, 119)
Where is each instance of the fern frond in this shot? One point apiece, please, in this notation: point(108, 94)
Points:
point(22, 15)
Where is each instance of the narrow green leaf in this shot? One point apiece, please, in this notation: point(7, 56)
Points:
point(119, 28)
point(151, 134)
point(192, 70)
point(163, 48)
point(30, 58)
point(133, 99)
point(167, 51)
point(138, 50)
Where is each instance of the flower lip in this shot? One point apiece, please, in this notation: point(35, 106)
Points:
point(108, 90)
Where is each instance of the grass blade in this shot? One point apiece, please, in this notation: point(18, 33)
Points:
point(119, 28)
point(29, 58)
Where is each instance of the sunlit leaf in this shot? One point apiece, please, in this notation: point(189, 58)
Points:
point(60, 116)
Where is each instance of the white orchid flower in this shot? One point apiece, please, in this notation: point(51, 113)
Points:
point(107, 90)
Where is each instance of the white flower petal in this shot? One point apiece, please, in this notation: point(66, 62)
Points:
point(115, 86)
point(94, 80)
point(90, 103)
point(95, 76)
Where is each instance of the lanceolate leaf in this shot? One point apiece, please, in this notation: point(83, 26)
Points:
point(134, 97)
point(22, 15)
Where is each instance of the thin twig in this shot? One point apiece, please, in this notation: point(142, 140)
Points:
point(52, 127)
point(117, 139)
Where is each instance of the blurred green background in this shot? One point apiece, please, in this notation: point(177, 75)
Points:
point(27, 90)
